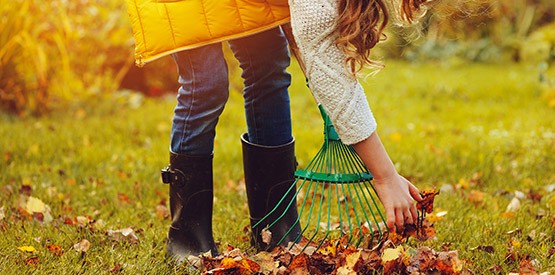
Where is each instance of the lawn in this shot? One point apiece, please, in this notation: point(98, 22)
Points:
point(483, 134)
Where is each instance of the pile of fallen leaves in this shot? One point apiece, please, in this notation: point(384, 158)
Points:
point(337, 257)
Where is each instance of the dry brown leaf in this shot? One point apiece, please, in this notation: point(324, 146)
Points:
point(427, 202)
point(116, 269)
point(82, 246)
point(266, 236)
point(25, 190)
point(526, 266)
point(125, 234)
point(162, 212)
point(486, 248)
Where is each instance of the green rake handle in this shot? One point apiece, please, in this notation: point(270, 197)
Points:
point(329, 130)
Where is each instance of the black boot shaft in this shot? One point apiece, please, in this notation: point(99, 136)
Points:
point(269, 178)
point(191, 199)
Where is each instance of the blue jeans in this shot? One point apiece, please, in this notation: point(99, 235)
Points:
point(204, 90)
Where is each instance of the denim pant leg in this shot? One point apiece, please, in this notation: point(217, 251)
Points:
point(201, 99)
point(264, 58)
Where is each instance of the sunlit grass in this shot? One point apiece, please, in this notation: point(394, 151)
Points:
point(443, 126)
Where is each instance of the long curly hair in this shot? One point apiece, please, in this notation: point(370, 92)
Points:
point(361, 24)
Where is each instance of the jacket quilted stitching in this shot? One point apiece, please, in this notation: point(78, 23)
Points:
point(162, 27)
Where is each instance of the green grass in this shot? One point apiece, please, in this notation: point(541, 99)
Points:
point(441, 125)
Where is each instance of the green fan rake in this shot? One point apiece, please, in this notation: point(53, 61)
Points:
point(335, 197)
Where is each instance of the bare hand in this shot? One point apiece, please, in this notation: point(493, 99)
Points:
point(397, 195)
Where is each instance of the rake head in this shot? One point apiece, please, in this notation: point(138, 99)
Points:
point(335, 197)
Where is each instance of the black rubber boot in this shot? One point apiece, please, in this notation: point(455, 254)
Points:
point(191, 198)
point(269, 173)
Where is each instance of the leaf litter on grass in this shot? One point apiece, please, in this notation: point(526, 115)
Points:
point(337, 257)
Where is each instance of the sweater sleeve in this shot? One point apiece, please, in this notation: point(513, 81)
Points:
point(331, 84)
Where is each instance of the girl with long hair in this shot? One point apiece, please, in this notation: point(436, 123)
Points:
point(335, 38)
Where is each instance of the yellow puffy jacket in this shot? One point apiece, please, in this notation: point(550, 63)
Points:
point(162, 27)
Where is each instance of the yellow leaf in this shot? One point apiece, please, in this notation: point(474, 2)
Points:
point(330, 249)
point(508, 215)
point(27, 248)
point(464, 183)
point(352, 259)
point(345, 271)
point(515, 243)
point(34, 205)
point(457, 265)
point(391, 254)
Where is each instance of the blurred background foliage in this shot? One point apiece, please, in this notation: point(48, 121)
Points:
point(59, 52)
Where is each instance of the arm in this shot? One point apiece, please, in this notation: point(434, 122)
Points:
point(396, 193)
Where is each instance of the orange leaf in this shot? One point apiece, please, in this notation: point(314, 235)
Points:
point(33, 261)
point(123, 198)
point(476, 197)
point(228, 263)
point(55, 249)
point(7, 157)
point(248, 266)
point(395, 238)
point(508, 215)
point(299, 262)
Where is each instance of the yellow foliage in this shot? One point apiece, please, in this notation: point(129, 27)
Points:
point(35, 205)
point(391, 254)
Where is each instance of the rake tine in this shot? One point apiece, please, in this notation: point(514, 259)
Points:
point(293, 200)
point(364, 209)
point(329, 219)
point(350, 164)
point(347, 199)
point(339, 208)
point(276, 207)
point(354, 206)
point(379, 212)
point(319, 218)
point(317, 162)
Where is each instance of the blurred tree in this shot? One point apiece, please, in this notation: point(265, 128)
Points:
point(477, 30)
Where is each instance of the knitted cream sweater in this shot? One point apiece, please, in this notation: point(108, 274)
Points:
point(332, 85)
